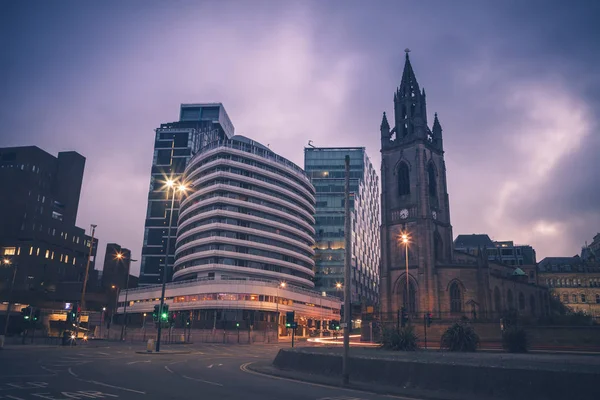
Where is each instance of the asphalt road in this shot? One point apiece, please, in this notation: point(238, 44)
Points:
point(115, 370)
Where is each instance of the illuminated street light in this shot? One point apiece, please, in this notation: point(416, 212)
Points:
point(181, 188)
point(282, 284)
point(338, 285)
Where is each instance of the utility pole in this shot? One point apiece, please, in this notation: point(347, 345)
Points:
point(347, 279)
point(85, 278)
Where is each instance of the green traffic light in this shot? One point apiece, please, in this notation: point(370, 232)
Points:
point(237, 324)
point(27, 317)
point(164, 315)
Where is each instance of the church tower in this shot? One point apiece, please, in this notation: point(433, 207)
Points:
point(414, 201)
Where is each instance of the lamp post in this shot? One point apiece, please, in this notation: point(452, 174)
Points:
point(8, 262)
point(405, 240)
point(121, 257)
point(170, 185)
point(281, 285)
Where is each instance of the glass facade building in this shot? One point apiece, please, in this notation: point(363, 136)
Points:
point(326, 169)
point(175, 144)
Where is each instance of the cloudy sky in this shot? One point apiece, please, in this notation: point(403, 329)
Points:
point(516, 85)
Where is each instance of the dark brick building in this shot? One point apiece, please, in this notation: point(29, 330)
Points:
point(39, 198)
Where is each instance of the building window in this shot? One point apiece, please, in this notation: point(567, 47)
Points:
point(432, 183)
point(73, 260)
point(9, 251)
point(403, 179)
point(583, 298)
point(532, 304)
point(598, 299)
point(66, 259)
point(47, 253)
point(37, 253)
point(455, 298)
point(57, 215)
point(574, 298)
point(31, 250)
point(565, 298)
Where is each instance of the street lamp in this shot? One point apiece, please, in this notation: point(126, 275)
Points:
point(119, 256)
point(7, 263)
point(406, 239)
point(175, 187)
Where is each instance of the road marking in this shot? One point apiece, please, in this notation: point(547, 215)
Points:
point(177, 362)
point(114, 387)
point(8, 396)
point(72, 373)
point(139, 361)
point(105, 354)
point(169, 369)
point(244, 367)
point(202, 380)
point(210, 366)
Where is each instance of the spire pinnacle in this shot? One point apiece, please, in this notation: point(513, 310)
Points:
point(384, 122)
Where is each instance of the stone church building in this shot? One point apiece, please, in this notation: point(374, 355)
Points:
point(414, 201)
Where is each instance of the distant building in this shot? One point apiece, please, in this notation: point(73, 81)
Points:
point(38, 210)
point(505, 252)
point(175, 144)
point(244, 244)
point(326, 169)
point(573, 281)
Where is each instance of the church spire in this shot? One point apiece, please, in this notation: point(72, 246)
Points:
point(436, 132)
point(384, 123)
point(409, 105)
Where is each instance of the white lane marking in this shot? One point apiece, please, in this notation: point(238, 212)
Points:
point(210, 366)
point(114, 387)
point(202, 380)
point(177, 362)
point(105, 354)
point(8, 396)
point(48, 369)
point(244, 367)
point(72, 373)
point(169, 369)
point(139, 361)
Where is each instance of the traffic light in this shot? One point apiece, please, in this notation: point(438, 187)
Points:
point(404, 317)
point(156, 312)
point(334, 325)
point(172, 318)
point(164, 313)
point(428, 319)
point(237, 325)
point(26, 313)
point(36, 315)
point(74, 312)
point(289, 319)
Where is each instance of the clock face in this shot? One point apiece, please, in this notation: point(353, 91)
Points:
point(434, 214)
point(404, 213)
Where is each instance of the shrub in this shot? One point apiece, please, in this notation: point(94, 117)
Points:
point(460, 337)
point(404, 340)
point(514, 340)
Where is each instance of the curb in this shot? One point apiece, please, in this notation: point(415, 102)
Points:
point(165, 352)
point(407, 394)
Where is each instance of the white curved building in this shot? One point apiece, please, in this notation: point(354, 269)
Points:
point(250, 216)
point(245, 242)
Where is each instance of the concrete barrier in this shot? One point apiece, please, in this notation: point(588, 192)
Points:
point(449, 376)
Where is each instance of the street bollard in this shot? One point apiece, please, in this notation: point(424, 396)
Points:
point(150, 346)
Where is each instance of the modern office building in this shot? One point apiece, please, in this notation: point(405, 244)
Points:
point(326, 169)
point(244, 248)
point(175, 144)
point(38, 210)
point(505, 252)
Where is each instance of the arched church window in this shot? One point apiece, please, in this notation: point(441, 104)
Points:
point(403, 180)
point(497, 300)
point(509, 299)
point(432, 182)
point(411, 304)
point(521, 301)
point(438, 247)
point(455, 298)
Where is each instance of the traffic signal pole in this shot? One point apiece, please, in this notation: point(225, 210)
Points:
point(347, 279)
